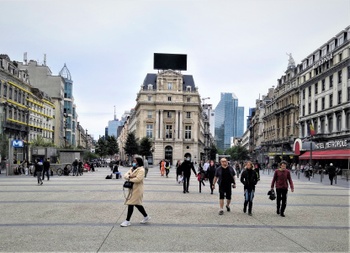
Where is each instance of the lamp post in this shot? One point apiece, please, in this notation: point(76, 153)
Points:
point(27, 137)
point(78, 132)
point(86, 138)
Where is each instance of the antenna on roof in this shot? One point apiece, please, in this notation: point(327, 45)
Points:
point(44, 59)
point(25, 58)
point(115, 116)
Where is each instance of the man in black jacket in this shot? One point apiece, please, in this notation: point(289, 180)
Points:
point(46, 166)
point(331, 172)
point(185, 168)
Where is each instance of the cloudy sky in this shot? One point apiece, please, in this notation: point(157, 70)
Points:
point(237, 46)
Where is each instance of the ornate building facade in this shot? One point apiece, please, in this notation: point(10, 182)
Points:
point(169, 112)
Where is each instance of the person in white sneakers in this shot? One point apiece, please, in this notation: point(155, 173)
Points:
point(136, 175)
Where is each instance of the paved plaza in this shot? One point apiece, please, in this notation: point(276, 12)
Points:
point(83, 214)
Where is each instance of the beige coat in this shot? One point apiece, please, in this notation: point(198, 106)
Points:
point(136, 194)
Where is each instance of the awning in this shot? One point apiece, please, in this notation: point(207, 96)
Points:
point(326, 154)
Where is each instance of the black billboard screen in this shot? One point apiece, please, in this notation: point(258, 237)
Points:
point(170, 61)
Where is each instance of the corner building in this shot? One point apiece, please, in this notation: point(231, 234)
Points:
point(169, 112)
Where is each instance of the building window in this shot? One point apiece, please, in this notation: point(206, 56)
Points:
point(169, 115)
point(322, 125)
point(168, 131)
point(330, 124)
point(303, 93)
point(323, 85)
point(332, 46)
point(188, 88)
point(188, 115)
point(309, 108)
point(150, 87)
point(187, 132)
point(339, 77)
point(340, 57)
point(149, 98)
point(341, 40)
point(347, 122)
point(330, 100)
point(330, 81)
point(188, 99)
point(316, 105)
point(349, 70)
point(323, 103)
point(149, 131)
point(149, 114)
point(310, 91)
point(170, 86)
point(338, 122)
point(348, 94)
point(10, 93)
point(169, 99)
point(339, 97)
point(316, 88)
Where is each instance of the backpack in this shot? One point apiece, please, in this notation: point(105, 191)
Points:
point(109, 177)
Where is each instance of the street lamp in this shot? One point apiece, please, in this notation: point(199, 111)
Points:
point(27, 137)
point(86, 138)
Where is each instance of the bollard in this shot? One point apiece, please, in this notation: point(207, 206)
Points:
point(321, 177)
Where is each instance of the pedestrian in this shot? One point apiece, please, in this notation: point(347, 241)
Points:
point(167, 168)
point(80, 167)
point(178, 170)
point(211, 174)
point(225, 177)
point(186, 167)
point(331, 172)
point(281, 178)
point(46, 166)
point(162, 168)
point(75, 166)
point(257, 168)
point(145, 166)
point(136, 175)
point(38, 170)
point(249, 179)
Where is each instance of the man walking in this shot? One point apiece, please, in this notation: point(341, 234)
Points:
point(331, 172)
point(281, 178)
point(225, 176)
point(186, 168)
point(46, 166)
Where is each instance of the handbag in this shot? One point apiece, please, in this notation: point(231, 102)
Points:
point(128, 184)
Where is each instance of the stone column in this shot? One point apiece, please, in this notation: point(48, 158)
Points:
point(157, 125)
point(161, 125)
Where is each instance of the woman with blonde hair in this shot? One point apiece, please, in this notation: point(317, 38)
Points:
point(249, 179)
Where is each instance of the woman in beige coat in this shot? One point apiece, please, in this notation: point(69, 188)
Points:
point(135, 196)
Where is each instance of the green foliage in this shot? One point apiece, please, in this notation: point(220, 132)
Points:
point(238, 153)
point(88, 156)
point(107, 146)
point(101, 147)
point(131, 146)
point(212, 153)
point(112, 145)
point(40, 142)
point(145, 146)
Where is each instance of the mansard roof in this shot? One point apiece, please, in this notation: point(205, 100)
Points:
point(187, 80)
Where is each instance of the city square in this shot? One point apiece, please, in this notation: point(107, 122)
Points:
point(83, 214)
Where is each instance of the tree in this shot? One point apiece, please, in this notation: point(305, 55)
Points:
point(145, 147)
point(101, 147)
point(131, 147)
point(212, 153)
point(112, 145)
point(238, 153)
point(40, 142)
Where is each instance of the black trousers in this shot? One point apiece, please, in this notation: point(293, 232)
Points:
point(47, 172)
point(281, 197)
point(186, 183)
point(131, 210)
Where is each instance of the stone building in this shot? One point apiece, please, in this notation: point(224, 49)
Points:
point(169, 112)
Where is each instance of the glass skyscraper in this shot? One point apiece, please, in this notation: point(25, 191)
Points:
point(229, 120)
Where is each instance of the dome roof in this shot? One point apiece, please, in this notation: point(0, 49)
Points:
point(65, 73)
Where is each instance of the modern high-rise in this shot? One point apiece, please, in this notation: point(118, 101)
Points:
point(229, 120)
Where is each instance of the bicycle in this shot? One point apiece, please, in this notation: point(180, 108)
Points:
point(65, 171)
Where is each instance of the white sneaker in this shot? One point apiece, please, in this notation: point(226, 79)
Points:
point(125, 223)
point(145, 220)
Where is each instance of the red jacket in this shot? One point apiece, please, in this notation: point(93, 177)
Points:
point(281, 178)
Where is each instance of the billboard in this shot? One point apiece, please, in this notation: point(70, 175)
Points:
point(170, 61)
